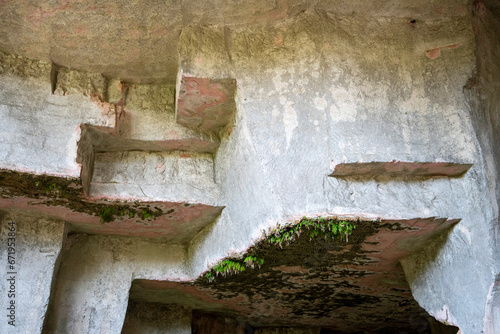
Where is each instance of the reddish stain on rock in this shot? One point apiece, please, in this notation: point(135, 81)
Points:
point(206, 104)
point(400, 168)
point(37, 16)
point(433, 53)
point(278, 41)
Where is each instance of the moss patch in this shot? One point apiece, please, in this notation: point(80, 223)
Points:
point(68, 192)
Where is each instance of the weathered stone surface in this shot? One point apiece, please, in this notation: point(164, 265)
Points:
point(492, 316)
point(69, 81)
point(154, 97)
point(63, 199)
point(483, 99)
point(320, 84)
point(39, 131)
point(24, 67)
point(349, 89)
point(171, 177)
point(33, 245)
point(205, 104)
point(131, 41)
point(345, 285)
point(115, 91)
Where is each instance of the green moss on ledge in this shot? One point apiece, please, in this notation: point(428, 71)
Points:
point(68, 192)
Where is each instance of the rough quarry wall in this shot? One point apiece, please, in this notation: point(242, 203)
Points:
point(483, 91)
point(323, 90)
point(323, 93)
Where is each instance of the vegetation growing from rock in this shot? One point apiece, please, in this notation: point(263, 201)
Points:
point(328, 228)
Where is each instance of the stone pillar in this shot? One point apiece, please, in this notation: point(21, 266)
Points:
point(29, 249)
point(91, 293)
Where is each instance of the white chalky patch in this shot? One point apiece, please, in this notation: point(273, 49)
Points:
point(343, 108)
point(289, 121)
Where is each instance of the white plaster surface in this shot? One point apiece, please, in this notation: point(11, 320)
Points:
point(39, 131)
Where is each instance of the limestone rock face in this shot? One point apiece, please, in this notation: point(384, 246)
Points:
point(157, 159)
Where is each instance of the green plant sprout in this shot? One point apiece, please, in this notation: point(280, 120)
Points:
point(332, 229)
point(253, 261)
point(106, 215)
point(230, 267)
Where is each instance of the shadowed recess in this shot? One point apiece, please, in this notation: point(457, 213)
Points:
point(347, 282)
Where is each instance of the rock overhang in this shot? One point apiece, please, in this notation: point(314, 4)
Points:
point(138, 42)
point(344, 284)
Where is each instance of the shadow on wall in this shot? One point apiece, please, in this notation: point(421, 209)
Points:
point(420, 261)
point(492, 316)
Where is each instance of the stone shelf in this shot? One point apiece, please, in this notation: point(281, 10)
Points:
point(400, 169)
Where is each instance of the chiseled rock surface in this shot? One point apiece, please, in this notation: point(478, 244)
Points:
point(39, 131)
point(318, 84)
point(92, 286)
point(36, 246)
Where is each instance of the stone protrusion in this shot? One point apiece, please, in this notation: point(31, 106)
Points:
point(147, 122)
point(115, 91)
point(314, 274)
point(85, 157)
point(23, 66)
point(71, 81)
point(206, 104)
point(400, 169)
